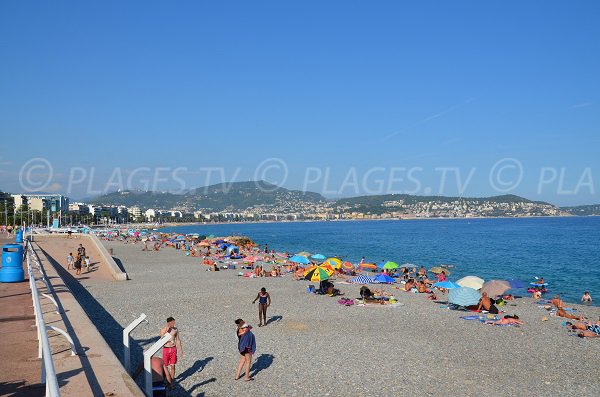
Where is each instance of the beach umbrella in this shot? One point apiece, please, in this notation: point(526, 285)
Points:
point(390, 265)
point(464, 296)
point(316, 273)
point(318, 257)
point(516, 283)
point(211, 236)
point(299, 259)
point(383, 278)
point(438, 270)
point(348, 265)
point(334, 262)
point(303, 253)
point(327, 267)
point(471, 282)
point(495, 287)
point(446, 285)
point(361, 279)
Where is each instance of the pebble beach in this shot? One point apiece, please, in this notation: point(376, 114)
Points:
point(313, 346)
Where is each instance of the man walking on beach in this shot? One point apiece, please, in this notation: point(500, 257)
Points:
point(169, 353)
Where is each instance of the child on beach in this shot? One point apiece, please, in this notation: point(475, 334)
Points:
point(87, 264)
point(264, 301)
point(70, 261)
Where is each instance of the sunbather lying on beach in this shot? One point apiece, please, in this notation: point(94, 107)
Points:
point(507, 320)
point(562, 313)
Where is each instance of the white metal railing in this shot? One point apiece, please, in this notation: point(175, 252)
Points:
point(148, 362)
point(126, 348)
point(48, 371)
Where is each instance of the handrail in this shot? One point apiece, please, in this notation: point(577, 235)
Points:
point(48, 371)
point(147, 361)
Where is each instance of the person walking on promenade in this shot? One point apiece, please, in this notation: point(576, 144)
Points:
point(78, 265)
point(169, 352)
point(81, 251)
point(70, 261)
point(246, 347)
point(87, 264)
point(264, 301)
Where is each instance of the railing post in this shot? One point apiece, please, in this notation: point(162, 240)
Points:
point(148, 364)
point(126, 348)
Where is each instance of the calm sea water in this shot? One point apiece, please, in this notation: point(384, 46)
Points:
point(565, 251)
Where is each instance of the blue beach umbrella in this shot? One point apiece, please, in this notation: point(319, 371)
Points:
point(464, 296)
point(361, 279)
point(446, 285)
point(383, 278)
point(299, 259)
point(318, 257)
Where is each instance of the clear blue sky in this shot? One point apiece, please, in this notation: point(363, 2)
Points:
point(339, 86)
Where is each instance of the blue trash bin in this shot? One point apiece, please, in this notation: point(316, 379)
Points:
point(19, 236)
point(12, 264)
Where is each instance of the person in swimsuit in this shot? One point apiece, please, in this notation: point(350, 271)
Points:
point(586, 298)
point(264, 301)
point(487, 304)
point(246, 347)
point(169, 352)
point(507, 320)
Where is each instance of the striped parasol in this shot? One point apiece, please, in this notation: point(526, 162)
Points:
point(316, 273)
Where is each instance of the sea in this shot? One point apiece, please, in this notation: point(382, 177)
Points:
point(565, 251)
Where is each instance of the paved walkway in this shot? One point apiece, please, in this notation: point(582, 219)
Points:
point(94, 371)
point(20, 367)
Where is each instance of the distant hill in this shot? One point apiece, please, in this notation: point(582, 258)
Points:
point(142, 199)
point(220, 197)
point(380, 200)
point(242, 195)
point(583, 210)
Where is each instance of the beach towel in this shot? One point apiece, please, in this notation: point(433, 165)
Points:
point(469, 317)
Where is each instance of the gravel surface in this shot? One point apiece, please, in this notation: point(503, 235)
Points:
point(314, 347)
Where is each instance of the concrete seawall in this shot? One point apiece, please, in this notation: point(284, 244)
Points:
point(114, 269)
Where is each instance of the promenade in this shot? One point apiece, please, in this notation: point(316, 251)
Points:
point(93, 371)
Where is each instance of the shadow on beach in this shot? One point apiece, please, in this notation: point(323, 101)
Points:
point(198, 366)
point(274, 319)
point(120, 265)
point(205, 382)
point(263, 361)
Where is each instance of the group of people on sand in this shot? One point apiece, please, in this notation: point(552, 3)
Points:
point(163, 368)
point(76, 263)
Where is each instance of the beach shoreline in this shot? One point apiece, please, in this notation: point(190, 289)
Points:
point(418, 347)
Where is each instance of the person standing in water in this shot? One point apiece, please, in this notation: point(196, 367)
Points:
point(264, 301)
